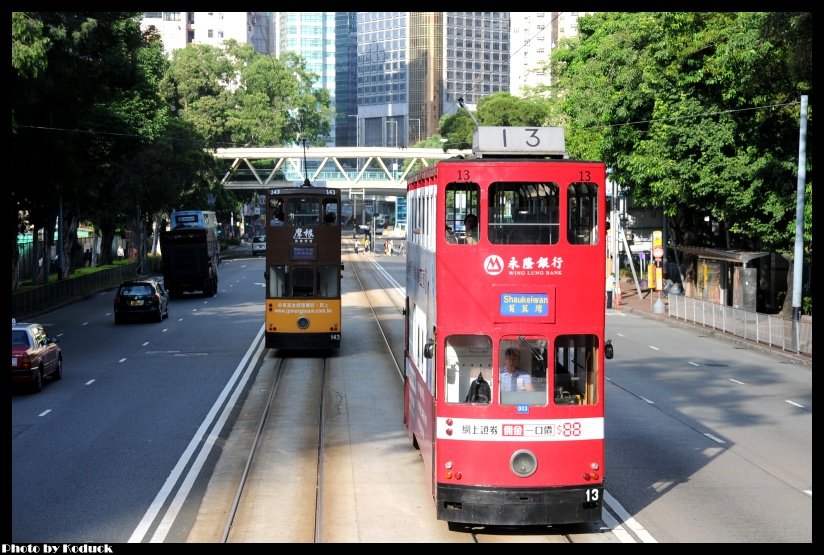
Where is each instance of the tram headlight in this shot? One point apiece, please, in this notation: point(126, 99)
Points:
point(523, 463)
point(303, 322)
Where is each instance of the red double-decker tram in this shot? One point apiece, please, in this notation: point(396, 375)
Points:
point(504, 365)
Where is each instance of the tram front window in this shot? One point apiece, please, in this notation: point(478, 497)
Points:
point(303, 282)
point(311, 281)
point(522, 371)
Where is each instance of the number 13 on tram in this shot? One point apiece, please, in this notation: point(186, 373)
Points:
point(504, 330)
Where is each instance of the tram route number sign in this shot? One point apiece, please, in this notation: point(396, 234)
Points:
point(519, 140)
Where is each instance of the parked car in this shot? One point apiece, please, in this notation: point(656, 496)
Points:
point(258, 245)
point(34, 355)
point(144, 298)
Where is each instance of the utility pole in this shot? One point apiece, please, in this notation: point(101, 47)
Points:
point(798, 253)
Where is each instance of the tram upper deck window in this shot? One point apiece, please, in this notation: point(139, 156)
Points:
point(461, 199)
point(276, 214)
point(302, 211)
point(582, 214)
point(330, 211)
point(523, 213)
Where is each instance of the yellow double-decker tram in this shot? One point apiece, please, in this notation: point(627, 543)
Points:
point(303, 268)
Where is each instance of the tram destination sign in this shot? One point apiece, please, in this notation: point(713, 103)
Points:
point(304, 252)
point(524, 304)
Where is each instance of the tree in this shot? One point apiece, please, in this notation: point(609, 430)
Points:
point(693, 112)
point(503, 109)
point(457, 129)
point(696, 113)
point(80, 114)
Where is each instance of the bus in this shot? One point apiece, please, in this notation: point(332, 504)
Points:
point(303, 268)
point(190, 253)
point(504, 330)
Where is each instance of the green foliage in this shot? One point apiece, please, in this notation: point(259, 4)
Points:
point(126, 133)
point(272, 101)
point(499, 109)
point(694, 112)
point(503, 109)
point(29, 46)
point(457, 129)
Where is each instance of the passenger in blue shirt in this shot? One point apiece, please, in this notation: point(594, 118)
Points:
point(512, 376)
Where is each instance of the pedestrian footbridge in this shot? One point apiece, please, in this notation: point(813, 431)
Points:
point(371, 170)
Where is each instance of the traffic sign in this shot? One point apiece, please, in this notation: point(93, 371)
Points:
point(658, 252)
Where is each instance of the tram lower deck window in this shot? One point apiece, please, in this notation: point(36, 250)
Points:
point(575, 380)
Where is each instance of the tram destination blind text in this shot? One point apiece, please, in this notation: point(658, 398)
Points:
point(524, 304)
point(304, 253)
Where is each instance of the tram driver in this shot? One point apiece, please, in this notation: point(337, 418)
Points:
point(512, 376)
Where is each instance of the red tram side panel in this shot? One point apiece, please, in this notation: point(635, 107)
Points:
point(504, 373)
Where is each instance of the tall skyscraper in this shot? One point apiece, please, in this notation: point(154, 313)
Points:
point(346, 79)
point(413, 67)
point(312, 36)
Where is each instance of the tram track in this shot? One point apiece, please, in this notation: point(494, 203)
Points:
point(287, 449)
point(384, 298)
point(273, 446)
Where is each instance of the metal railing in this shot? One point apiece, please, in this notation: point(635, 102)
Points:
point(774, 331)
point(29, 302)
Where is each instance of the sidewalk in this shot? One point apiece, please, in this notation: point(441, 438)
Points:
point(645, 305)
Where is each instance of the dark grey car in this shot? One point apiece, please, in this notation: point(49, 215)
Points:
point(141, 299)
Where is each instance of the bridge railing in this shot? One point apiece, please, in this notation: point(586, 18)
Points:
point(326, 175)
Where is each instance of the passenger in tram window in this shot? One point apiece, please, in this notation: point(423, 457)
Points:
point(471, 229)
point(450, 235)
point(513, 376)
